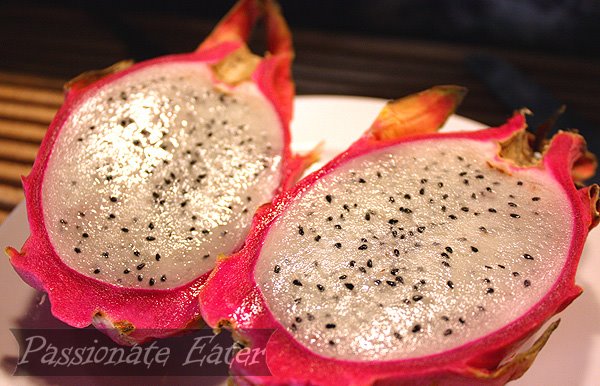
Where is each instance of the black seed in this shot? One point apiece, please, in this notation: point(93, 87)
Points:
point(464, 209)
point(343, 277)
point(416, 298)
point(125, 230)
point(111, 216)
point(423, 180)
point(328, 198)
point(392, 221)
point(150, 238)
point(466, 182)
point(337, 226)
point(514, 215)
point(440, 184)
point(448, 332)
point(205, 231)
point(519, 183)
point(490, 290)
point(535, 198)
point(400, 279)
point(140, 277)
point(136, 253)
point(487, 267)
point(391, 283)
point(352, 262)
point(330, 325)
point(445, 196)
point(377, 281)
point(526, 282)
point(361, 180)
point(474, 249)
point(492, 210)
point(446, 264)
point(527, 256)
point(104, 254)
point(163, 278)
point(157, 257)
point(300, 231)
point(512, 204)
point(392, 199)
point(126, 271)
point(151, 226)
point(85, 235)
point(443, 208)
point(420, 229)
point(370, 263)
point(350, 286)
point(277, 269)
point(140, 266)
point(445, 318)
point(368, 217)
point(363, 247)
point(422, 191)
point(320, 288)
point(77, 250)
point(483, 229)
point(331, 343)
point(337, 245)
point(450, 284)
point(479, 176)
point(416, 328)
point(297, 282)
point(444, 254)
point(396, 252)
point(452, 217)
point(63, 221)
point(113, 199)
point(97, 271)
point(317, 237)
point(449, 249)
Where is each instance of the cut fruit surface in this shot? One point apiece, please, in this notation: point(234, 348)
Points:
point(413, 250)
point(162, 170)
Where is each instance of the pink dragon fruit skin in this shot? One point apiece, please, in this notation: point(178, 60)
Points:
point(134, 315)
point(234, 299)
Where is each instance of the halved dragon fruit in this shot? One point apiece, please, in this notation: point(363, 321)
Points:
point(149, 172)
point(413, 258)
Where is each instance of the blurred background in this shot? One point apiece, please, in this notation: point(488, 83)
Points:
point(535, 53)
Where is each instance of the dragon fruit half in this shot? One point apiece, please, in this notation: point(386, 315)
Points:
point(413, 258)
point(150, 171)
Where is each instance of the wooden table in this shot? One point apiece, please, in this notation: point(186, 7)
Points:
point(42, 47)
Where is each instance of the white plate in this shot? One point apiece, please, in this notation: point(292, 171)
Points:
point(571, 357)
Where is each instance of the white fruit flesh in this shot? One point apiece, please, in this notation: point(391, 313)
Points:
point(157, 173)
point(421, 248)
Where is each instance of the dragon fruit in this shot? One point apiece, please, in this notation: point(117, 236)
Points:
point(413, 258)
point(150, 171)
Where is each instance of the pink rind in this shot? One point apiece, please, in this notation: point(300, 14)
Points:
point(232, 298)
point(135, 316)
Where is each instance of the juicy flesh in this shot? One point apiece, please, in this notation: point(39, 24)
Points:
point(157, 173)
point(412, 251)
